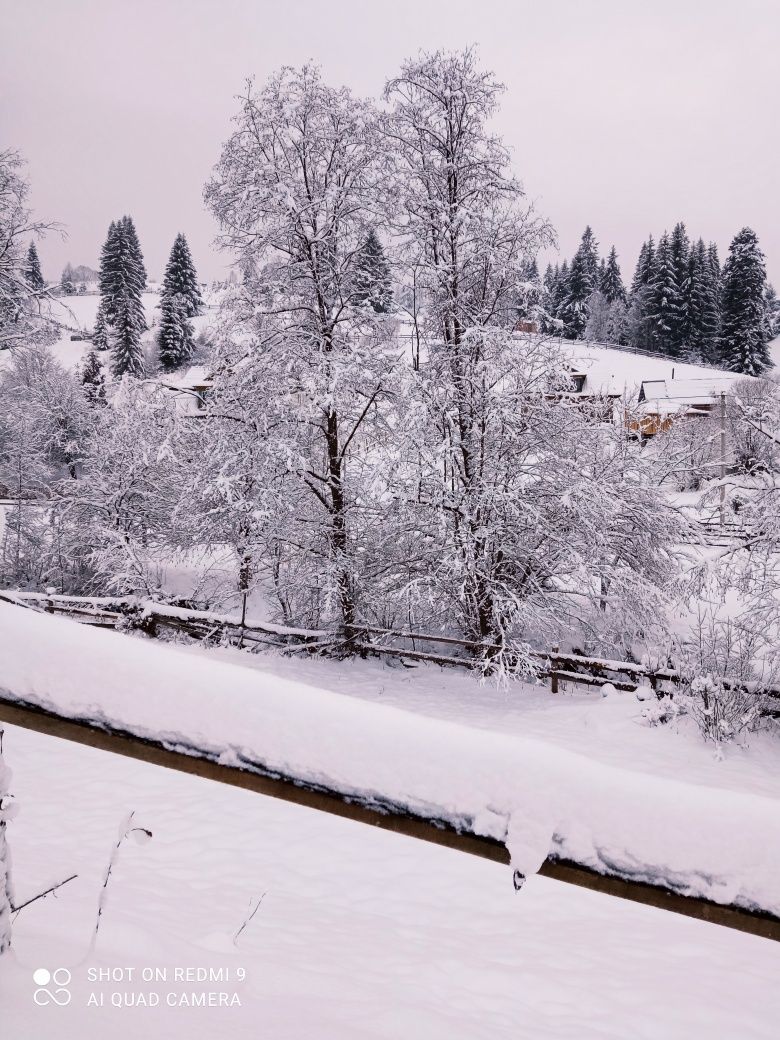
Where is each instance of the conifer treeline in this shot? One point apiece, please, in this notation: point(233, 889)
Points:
point(680, 303)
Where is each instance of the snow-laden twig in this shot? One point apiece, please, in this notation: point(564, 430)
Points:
point(248, 919)
point(141, 836)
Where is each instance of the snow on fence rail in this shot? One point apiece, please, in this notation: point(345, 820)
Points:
point(150, 616)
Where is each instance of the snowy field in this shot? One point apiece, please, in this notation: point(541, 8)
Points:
point(360, 933)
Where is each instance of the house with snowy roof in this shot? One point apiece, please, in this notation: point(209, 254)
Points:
point(664, 401)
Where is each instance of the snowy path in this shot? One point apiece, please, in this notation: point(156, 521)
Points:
point(361, 934)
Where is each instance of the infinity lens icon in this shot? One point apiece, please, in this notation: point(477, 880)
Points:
point(60, 996)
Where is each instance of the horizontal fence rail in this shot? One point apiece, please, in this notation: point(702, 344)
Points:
point(383, 815)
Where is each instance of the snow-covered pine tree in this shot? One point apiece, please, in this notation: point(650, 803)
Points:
point(772, 310)
point(180, 300)
point(581, 283)
point(136, 268)
point(109, 281)
point(34, 273)
point(373, 284)
point(93, 380)
point(643, 275)
point(744, 328)
point(123, 306)
point(703, 308)
point(100, 331)
point(579, 286)
point(530, 291)
point(557, 296)
point(175, 337)
point(589, 251)
point(181, 279)
point(611, 284)
point(67, 286)
point(680, 250)
point(712, 254)
point(665, 306)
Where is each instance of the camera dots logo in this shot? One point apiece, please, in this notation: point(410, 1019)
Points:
point(52, 987)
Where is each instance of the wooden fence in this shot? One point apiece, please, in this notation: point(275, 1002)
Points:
point(560, 668)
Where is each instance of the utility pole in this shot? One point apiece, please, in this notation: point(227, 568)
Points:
point(722, 459)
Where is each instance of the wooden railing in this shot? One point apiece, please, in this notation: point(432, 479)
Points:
point(562, 669)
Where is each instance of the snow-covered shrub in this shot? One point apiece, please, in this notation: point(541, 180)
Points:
point(753, 413)
point(726, 668)
point(691, 451)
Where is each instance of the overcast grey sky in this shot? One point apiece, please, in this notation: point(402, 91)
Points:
point(626, 114)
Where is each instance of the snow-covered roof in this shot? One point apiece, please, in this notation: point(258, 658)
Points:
point(682, 392)
point(611, 370)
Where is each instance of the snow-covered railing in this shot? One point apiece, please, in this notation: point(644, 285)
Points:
point(151, 616)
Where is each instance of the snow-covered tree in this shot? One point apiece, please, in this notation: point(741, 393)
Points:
point(581, 283)
point(122, 281)
point(643, 274)
point(100, 333)
point(118, 517)
point(680, 254)
point(460, 218)
point(611, 281)
point(373, 284)
point(67, 285)
point(180, 300)
point(665, 301)
point(34, 273)
point(744, 330)
point(93, 380)
point(181, 278)
point(703, 307)
point(295, 196)
point(20, 312)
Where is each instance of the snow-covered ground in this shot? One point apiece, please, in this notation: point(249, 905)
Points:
point(721, 842)
point(361, 933)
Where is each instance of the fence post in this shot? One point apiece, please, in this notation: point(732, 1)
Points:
point(553, 669)
point(243, 623)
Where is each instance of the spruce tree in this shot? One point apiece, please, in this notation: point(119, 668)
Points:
point(558, 293)
point(67, 287)
point(744, 331)
point(643, 275)
point(664, 303)
point(581, 283)
point(589, 251)
point(611, 280)
point(100, 339)
point(373, 284)
point(180, 300)
point(176, 335)
point(703, 307)
point(122, 280)
point(680, 250)
point(181, 279)
point(33, 271)
point(92, 379)
point(136, 268)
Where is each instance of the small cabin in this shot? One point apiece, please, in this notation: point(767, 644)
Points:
point(663, 402)
point(530, 328)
